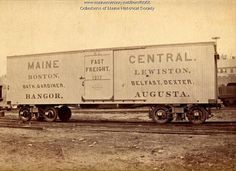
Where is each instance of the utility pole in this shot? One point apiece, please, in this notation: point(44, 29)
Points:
point(216, 54)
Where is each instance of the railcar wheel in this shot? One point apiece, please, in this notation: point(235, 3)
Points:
point(160, 115)
point(64, 113)
point(25, 114)
point(197, 115)
point(50, 114)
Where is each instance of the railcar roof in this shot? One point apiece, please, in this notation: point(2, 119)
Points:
point(117, 48)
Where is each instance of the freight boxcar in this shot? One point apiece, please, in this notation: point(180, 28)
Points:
point(175, 81)
point(227, 84)
point(228, 94)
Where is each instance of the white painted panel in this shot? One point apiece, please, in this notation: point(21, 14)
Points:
point(166, 74)
point(98, 70)
point(45, 79)
point(181, 73)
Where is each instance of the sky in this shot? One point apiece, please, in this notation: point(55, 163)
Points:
point(28, 27)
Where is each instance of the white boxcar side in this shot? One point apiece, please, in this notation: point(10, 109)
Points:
point(166, 74)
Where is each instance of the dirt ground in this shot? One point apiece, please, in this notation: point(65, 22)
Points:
point(77, 148)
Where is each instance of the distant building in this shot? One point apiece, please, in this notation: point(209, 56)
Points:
point(226, 71)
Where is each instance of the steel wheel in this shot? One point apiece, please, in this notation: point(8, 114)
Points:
point(25, 114)
point(64, 113)
point(160, 115)
point(197, 115)
point(50, 114)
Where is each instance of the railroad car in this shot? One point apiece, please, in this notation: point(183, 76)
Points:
point(227, 84)
point(176, 81)
point(227, 93)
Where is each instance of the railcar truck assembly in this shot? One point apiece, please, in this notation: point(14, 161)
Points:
point(176, 81)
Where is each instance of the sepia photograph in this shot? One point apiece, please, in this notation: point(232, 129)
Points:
point(118, 85)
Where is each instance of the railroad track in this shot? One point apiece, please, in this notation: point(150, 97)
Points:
point(18, 124)
point(207, 128)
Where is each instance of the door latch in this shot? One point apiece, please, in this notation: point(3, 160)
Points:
point(81, 77)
